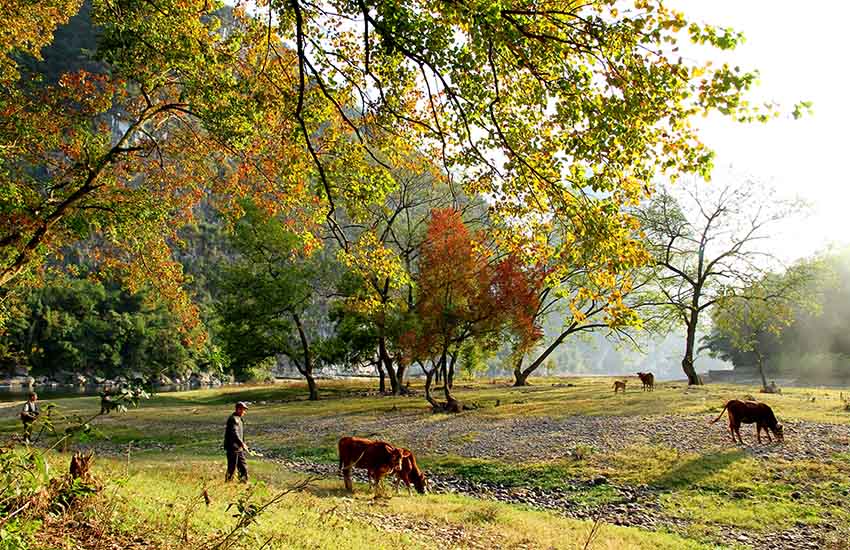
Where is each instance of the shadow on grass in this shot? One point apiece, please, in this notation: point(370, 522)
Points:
point(697, 469)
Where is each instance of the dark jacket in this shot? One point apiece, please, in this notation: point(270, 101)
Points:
point(233, 438)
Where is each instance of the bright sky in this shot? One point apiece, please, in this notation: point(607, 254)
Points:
point(801, 52)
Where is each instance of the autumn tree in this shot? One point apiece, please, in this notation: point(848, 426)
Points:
point(464, 294)
point(586, 289)
point(707, 245)
point(183, 111)
point(384, 237)
point(555, 111)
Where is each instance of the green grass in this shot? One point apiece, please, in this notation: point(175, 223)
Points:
point(157, 502)
point(174, 443)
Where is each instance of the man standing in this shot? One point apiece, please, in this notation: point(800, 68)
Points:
point(234, 444)
point(29, 414)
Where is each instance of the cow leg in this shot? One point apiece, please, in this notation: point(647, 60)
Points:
point(346, 476)
point(738, 433)
point(758, 433)
point(732, 428)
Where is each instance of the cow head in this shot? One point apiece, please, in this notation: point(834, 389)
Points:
point(420, 481)
point(396, 456)
point(778, 432)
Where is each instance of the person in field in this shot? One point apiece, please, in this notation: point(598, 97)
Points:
point(234, 444)
point(29, 414)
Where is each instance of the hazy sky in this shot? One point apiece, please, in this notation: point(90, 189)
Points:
point(801, 51)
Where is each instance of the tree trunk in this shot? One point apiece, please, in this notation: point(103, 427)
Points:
point(429, 377)
point(382, 376)
point(307, 370)
point(452, 404)
point(384, 357)
point(521, 375)
point(760, 364)
point(311, 385)
point(688, 359)
point(450, 373)
point(520, 378)
point(401, 376)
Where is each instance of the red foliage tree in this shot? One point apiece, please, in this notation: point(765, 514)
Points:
point(466, 291)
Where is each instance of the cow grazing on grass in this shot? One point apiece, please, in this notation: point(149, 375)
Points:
point(749, 412)
point(409, 473)
point(619, 385)
point(378, 458)
point(648, 380)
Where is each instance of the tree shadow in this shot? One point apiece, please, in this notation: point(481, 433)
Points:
point(697, 469)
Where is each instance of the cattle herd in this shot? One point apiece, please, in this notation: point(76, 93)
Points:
point(380, 458)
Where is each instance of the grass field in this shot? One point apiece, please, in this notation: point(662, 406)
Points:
point(535, 465)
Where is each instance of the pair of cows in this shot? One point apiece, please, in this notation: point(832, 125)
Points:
point(379, 458)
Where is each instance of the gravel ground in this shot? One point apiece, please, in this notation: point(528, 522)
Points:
point(510, 439)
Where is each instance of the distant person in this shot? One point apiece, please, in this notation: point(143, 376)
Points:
point(234, 444)
point(29, 414)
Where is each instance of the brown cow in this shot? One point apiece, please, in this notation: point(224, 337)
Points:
point(410, 473)
point(619, 385)
point(749, 412)
point(378, 458)
point(648, 380)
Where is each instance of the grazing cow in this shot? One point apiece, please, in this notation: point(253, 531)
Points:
point(749, 412)
point(378, 458)
point(410, 473)
point(648, 380)
point(619, 385)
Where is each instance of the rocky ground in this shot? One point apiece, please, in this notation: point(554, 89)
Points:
point(515, 439)
point(512, 439)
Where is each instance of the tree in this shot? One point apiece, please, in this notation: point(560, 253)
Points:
point(465, 295)
point(764, 310)
point(268, 297)
point(122, 156)
point(544, 108)
point(383, 243)
point(571, 286)
point(705, 243)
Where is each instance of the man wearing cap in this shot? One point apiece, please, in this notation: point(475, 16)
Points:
point(234, 444)
point(29, 414)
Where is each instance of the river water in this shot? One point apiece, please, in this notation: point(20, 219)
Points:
point(20, 393)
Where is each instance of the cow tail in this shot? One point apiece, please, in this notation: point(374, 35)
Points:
point(721, 413)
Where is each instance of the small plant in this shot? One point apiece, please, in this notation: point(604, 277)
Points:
point(845, 400)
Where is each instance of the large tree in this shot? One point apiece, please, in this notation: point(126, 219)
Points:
point(465, 294)
point(707, 243)
point(269, 297)
point(753, 318)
